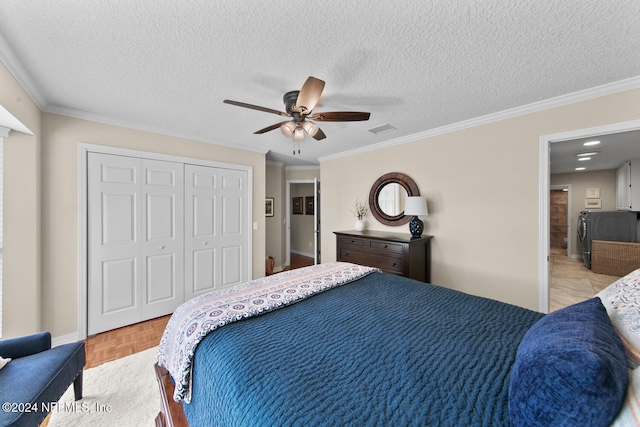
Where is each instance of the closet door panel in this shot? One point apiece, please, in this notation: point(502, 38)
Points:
point(233, 240)
point(163, 237)
point(216, 243)
point(202, 213)
point(114, 237)
point(203, 271)
point(121, 293)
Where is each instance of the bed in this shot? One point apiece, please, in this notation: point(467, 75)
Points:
point(341, 344)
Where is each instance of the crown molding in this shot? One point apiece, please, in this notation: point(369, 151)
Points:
point(9, 59)
point(63, 111)
point(559, 101)
point(303, 168)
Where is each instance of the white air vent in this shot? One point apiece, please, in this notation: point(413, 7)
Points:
point(382, 128)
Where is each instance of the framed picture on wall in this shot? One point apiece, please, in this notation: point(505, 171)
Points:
point(268, 206)
point(296, 205)
point(593, 203)
point(309, 201)
point(593, 193)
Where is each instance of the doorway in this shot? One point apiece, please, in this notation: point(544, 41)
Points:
point(303, 219)
point(544, 187)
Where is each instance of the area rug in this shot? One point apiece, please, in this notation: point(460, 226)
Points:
point(120, 393)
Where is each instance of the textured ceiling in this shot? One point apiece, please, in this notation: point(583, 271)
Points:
point(166, 65)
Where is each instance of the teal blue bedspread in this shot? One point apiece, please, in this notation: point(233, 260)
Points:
point(381, 351)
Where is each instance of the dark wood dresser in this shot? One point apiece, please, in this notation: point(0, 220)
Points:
point(393, 253)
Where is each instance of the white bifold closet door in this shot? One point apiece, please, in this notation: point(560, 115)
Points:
point(136, 226)
point(160, 233)
point(216, 234)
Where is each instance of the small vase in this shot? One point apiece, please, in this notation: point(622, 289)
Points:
point(359, 225)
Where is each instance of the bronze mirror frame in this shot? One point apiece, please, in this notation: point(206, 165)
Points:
point(391, 178)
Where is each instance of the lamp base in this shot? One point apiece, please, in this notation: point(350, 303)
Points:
point(416, 226)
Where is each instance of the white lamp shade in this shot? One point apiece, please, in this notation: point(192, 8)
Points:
point(415, 205)
point(298, 134)
point(288, 128)
point(311, 128)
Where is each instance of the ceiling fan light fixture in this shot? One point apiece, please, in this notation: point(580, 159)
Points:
point(298, 134)
point(288, 128)
point(310, 128)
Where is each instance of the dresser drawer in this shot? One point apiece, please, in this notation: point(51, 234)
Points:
point(386, 247)
point(353, 241)
point(370, 259)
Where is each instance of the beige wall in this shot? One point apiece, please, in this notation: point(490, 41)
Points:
point(483, 210)
point(275, 227)
point(21, 305)
point(579, 182)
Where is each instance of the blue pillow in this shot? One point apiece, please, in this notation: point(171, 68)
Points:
point(570, 370)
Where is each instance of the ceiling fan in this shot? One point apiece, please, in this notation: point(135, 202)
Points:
point(299, 105)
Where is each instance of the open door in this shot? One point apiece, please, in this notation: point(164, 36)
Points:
point(316, 221)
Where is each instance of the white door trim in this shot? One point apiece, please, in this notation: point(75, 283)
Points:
point(288, 210)
point(83, 149)
point(545, 142)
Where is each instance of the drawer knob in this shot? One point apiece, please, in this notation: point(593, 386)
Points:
point(386, 246)
point(393, 265)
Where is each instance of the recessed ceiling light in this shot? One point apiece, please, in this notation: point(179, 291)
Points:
point(582, 159)
point(591, 143)
point(580, 169)
point(591, 153)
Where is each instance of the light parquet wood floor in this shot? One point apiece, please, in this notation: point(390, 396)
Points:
point(125, 341)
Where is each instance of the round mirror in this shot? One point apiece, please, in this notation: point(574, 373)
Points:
point(391, 199)
point(388, 195)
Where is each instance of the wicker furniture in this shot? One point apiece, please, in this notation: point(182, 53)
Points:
point(614, 258)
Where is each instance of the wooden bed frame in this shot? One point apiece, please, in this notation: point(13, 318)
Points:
point(171, 413)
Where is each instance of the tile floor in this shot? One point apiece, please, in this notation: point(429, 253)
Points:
point(571, 282)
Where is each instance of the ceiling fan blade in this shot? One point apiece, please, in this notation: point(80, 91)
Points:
point(255, 107)
point(341, 116)
point(319, 135)
point(270, 128)
point(309, 94)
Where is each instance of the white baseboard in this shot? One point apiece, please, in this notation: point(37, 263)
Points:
point(308, 255)
point(64, 339)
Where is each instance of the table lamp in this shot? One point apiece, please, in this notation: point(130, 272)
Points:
point(416, 205)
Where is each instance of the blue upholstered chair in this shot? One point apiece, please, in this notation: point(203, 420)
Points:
point(37, 377)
